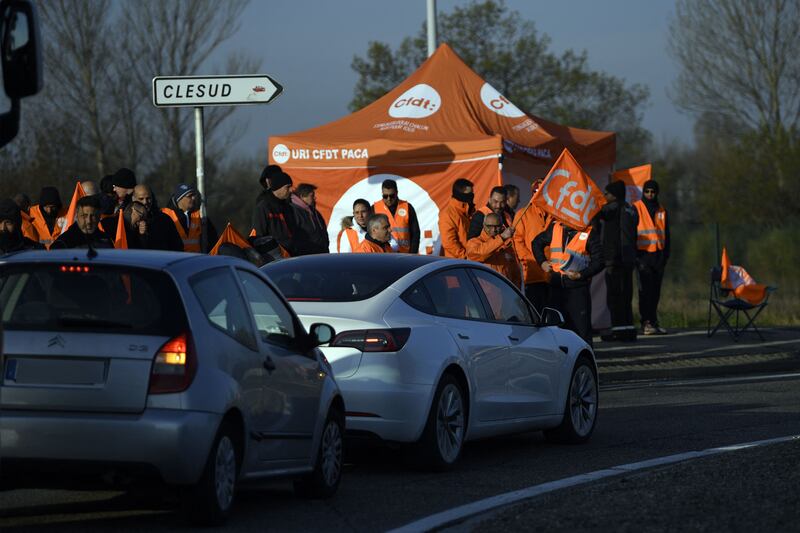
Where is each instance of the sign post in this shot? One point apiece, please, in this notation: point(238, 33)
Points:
point(202, 91)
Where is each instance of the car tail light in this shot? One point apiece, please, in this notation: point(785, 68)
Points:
point(373, 340)
point(174, 366)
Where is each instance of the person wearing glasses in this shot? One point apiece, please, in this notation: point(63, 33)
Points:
point(497, 205)
point(495, 249)
point(402, 218)
point(652, 243)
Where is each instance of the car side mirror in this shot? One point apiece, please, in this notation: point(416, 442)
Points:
point(551, 317)
point(21, 49)
point(321, 333)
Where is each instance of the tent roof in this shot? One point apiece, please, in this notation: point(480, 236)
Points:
point(442, 112)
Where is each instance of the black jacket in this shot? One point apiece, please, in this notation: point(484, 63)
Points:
point(277, 219)
point(312, 231)
point(17, 242)
point(161, 234)
point(594, 246)
point(618, 222)
point(75, 238)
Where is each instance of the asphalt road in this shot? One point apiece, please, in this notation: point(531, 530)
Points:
point(379, 491)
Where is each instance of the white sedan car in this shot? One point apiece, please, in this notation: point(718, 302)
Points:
point(438, 351)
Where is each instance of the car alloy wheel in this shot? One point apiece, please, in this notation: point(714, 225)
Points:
point(583, 401)
point(450, 423)
point(225, 472)
point(332, 453)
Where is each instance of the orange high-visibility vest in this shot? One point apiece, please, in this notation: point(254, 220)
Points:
point(28, 229)
point(191, 239)
point(651, 236)
point(401, 230)
point(575, 248)
point(352, 237)
point(369, 247)
point(46, 237)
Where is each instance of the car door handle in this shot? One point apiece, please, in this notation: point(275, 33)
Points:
point(515, 339)
point(269, 364)
point(462, 336)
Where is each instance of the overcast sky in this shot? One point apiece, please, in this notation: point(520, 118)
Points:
point(308, 45)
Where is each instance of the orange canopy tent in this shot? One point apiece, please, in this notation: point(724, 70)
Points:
point(442, 123)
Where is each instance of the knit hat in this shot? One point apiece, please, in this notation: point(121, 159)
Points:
point(10, 211)
point(267, 174)
point(181, 191)
point(279, 180)
point(124, 178)
point(651, 184)
point(617, 188)
point(50, 196)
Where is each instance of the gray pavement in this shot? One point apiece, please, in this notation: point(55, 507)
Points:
point(691, 354)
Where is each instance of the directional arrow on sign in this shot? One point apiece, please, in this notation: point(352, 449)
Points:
point(198, 91)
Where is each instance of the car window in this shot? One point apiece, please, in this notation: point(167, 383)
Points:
point(273, 319)
point(222, 303)
point(505, 303)
point(417, 297)
point(454, 295)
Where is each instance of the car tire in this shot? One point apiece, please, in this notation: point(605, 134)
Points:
point(324, 481)
point(210, 501)
point(580, 408)
point(443, 438)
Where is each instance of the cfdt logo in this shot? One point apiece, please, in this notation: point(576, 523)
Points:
point(420, 101)
point(499, 103)
point(574, 200)
point(280, 154)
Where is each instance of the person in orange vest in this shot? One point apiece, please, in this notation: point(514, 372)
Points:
point(11, 235)
point(184, 210)
point(529, 223)
point(575, 257)
point(497, 205)
point(454, 219)
point(402, 217)
point(48, 215)
point(495, 249)
point(653, 244)
point(24, 204)
point(354, 228)
point(378, 235)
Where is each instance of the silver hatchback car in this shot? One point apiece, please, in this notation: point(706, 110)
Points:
point(185, 369)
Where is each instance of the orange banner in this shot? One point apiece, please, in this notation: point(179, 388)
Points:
point(230, 235)
point(76, 195)
point(569, 194)
point(121, 238)
point(634, 179)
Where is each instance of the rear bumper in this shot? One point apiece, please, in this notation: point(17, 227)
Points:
point(392, 411)
point(174, 443)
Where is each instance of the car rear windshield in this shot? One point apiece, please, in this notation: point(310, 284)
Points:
point(91, 298)
point(344, 283)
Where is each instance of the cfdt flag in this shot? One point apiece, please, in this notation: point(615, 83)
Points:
point(569, 194)
point(634, 179)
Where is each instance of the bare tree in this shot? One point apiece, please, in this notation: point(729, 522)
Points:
point(177, 37)
point(739, 59)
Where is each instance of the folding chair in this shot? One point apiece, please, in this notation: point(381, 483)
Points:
point(722, 301)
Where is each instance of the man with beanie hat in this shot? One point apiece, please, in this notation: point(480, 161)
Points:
point(275, 216)
point(184, 210)
point(11, 237)
point(619, 221)
point(123, 181)
point(24, 204)
point(652, 253)
point(108, 198)
point(454, 219)
point(85, 232)
point(48, 215)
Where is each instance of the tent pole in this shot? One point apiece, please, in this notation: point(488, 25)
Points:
point(431, 27)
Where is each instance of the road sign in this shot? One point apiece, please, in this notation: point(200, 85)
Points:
point(196, 91)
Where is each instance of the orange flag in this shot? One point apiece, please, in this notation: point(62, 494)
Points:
point(121, 239)
point(743, 285)
point(634, 179)
point(569, 194)
point(77, 195)
point(230, 235)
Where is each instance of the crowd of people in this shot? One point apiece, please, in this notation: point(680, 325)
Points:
point(552, 262)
